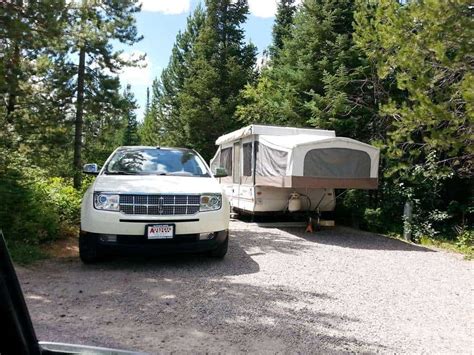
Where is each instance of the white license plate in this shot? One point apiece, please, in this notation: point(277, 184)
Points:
point(160, 231)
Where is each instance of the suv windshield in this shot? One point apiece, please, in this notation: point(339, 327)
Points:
point(156, 161)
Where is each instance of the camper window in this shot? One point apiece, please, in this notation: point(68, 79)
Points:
point(247, 159)
point(226, 160)
point(270, 162)
point(337, 163)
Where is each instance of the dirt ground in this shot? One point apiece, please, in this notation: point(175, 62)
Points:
point(277, 291)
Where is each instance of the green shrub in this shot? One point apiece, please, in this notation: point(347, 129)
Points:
point(64, 198)
point(374, 219)
point(440, 202)
point(465, 237)
point(26, 213)
point(35, 208)
point(23, 253)
point(351, 206)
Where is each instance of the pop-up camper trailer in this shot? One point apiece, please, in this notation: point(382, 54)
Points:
point(278, 169)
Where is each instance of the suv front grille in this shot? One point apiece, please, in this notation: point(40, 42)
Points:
point(167, 205)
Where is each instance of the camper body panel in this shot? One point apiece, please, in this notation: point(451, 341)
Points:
point(261, 199)
point(275, 199)
point(267, 164)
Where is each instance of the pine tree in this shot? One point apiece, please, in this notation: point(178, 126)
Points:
point(103, 122)
point(28, 29)
point(130, 131)
point(34, 91)
point(147, 104)
point(149, 131)
point(327, 70)
point(282, 26)
point(267, 101)
point(93, 26)
point(221, 66)
point(321, 77)
point(166, 91)
point(427, 47)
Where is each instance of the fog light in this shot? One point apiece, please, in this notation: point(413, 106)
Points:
point(108, 238)
point(206, 236)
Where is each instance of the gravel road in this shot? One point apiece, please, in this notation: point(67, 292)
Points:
point(278, 290)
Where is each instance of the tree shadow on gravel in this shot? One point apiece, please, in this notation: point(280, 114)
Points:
point(356, 239)
point(236, 262)
point(152, 304)
point(293, 319)
point(157, 312)
point(295, 239)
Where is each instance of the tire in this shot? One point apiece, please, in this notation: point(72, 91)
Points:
point(221, 250)
point(88, 249)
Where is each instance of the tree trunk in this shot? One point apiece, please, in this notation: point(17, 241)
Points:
point(77, 164)
point(13, 81)
point(13, 67)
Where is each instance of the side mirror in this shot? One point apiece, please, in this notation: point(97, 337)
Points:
point(220, 173)
point(91, 169)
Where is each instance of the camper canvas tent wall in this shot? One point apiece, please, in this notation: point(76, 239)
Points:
point(267, 165)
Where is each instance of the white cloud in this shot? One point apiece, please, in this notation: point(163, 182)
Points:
point(265, 8)
point(141, 75)
point(168, 7)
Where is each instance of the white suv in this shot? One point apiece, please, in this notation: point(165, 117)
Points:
point(153, 199)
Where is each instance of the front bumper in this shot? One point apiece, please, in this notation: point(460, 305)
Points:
point(108, 222)
point(184, 243)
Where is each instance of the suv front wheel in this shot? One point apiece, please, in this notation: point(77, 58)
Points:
point(221, 250)
point(88, 249)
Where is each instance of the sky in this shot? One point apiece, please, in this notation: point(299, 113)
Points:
point(159, 23)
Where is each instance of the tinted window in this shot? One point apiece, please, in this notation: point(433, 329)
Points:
point(247, 159)
point(226, 160)
point(156, 161)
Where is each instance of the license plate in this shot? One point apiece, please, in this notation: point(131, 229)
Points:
point(160, 231)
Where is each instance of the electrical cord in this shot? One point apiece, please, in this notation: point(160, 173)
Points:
point(342, 193)
point(309, 200)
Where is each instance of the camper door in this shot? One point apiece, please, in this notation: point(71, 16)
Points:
point(246, 191)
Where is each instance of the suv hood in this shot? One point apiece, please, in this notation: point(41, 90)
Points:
point(156, 184)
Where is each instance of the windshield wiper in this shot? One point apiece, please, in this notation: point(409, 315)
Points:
point(180, 173)
point(120, 172)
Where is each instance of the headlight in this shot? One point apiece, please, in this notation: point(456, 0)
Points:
point(211, 202)
point(106, 201)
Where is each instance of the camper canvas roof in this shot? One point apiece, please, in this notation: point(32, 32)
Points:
point(274, 131)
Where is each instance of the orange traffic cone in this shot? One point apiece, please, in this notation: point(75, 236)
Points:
point(309, 226)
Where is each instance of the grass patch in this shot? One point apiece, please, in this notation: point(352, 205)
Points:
point(451, 245)
point(25, 254)
point(446, 244)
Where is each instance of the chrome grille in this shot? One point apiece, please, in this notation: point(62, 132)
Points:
point(167, 205)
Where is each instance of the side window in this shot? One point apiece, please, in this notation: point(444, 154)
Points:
point(337, 163)
point(269, 161)
point(226, 160)
point(247, 159)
